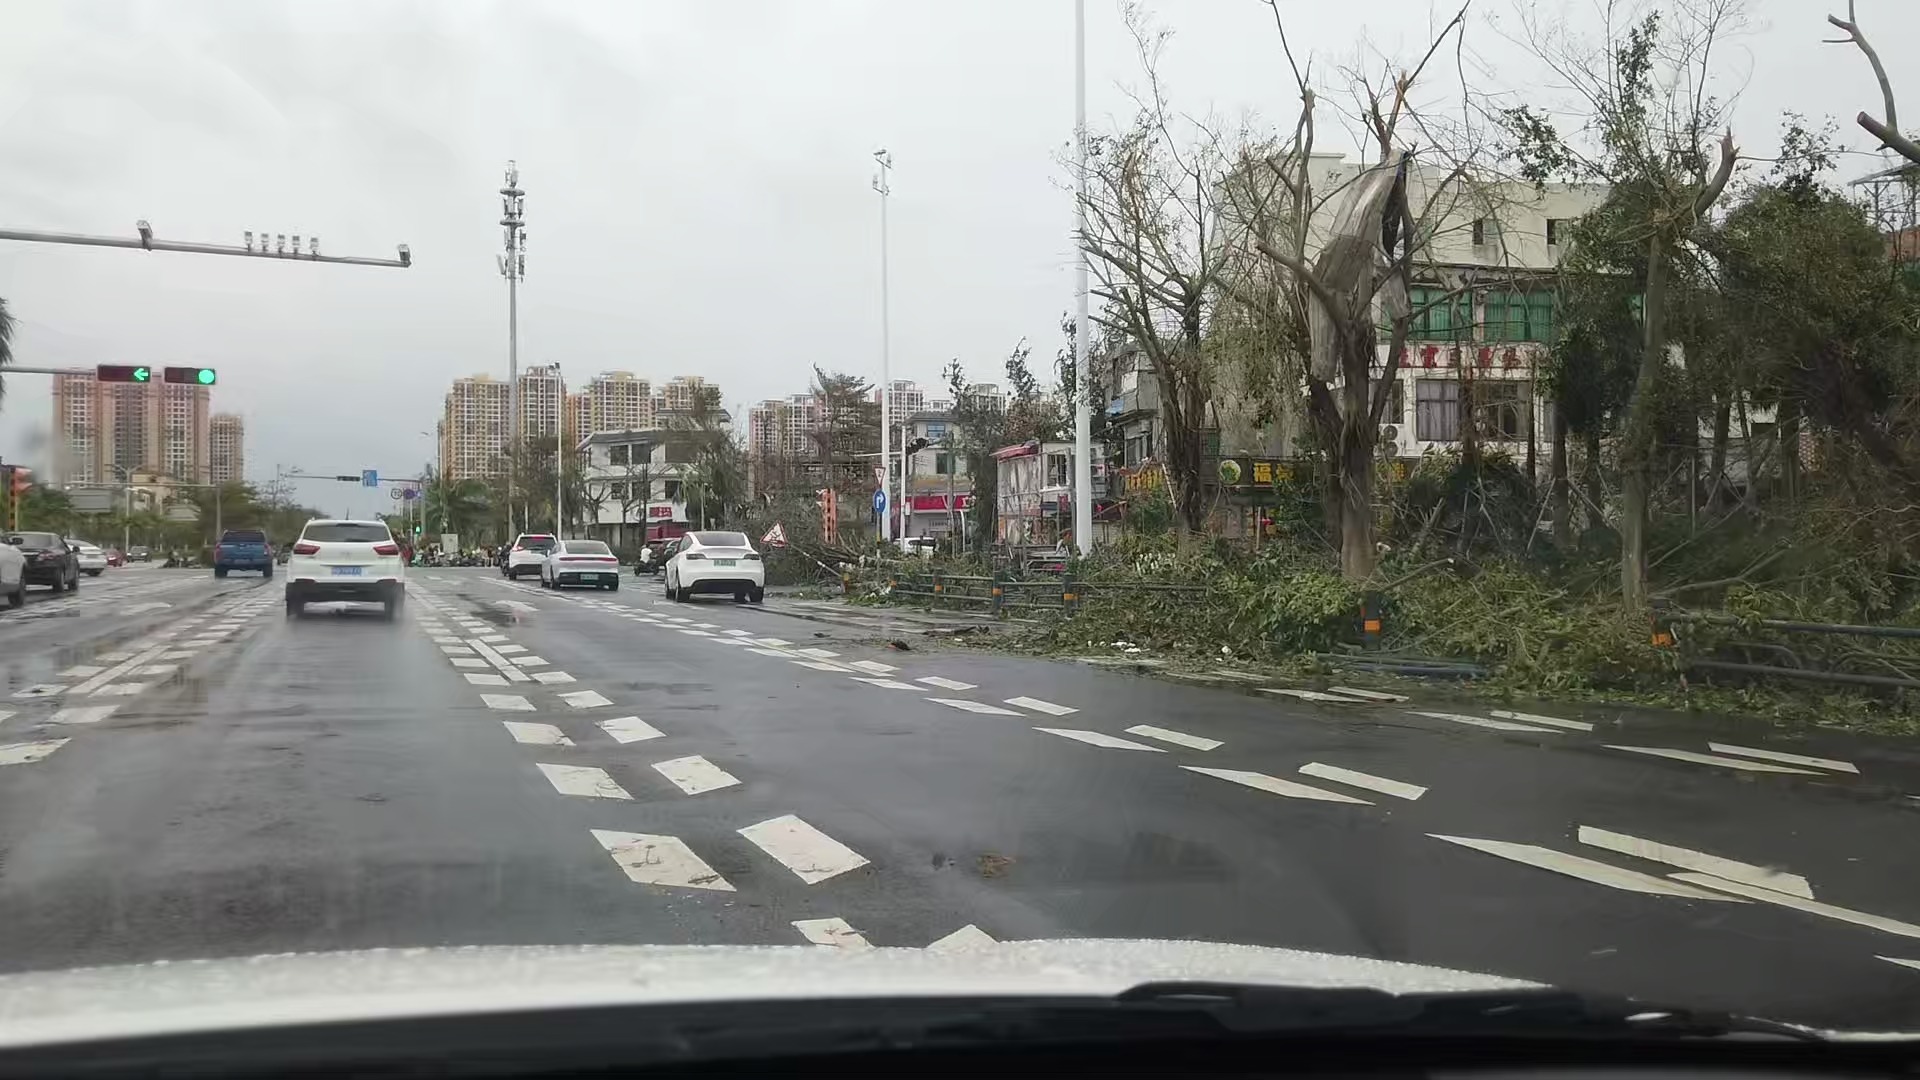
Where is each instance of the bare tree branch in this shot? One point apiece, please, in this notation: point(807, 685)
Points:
point(1889, 132)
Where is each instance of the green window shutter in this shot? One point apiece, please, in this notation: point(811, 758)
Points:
point(1539, 316)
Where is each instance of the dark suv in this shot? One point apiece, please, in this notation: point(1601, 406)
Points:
point(51, 559)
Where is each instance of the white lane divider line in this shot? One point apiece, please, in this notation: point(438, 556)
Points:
point(81, 714)
point(1097, 738)
point(1801, 903)
point(583, 780)
point(1790, 759)
point(1575, 866)
point(833, 933)
point(963, 939)
point(1710, 759)
point(973, 706)
point(818, 665)
point(695, 774)
point(628, 729)
point(485, 678)
point(1688, 859)
point(1038, 705)
point(536, 734)
point(1536, 718)
point(26, 753)
point(1367, 695)
point(1309, 695)
point(811, 854)
point(660, 860)
point(1399, 789)
point(468, 662)
point(1274, 785)
point(818, 654)
point(552, 677)
point(1477, 721)
point(1177, 738)
point(499, 662)
point(584, 699)
point(507, 702)
point(872, 667)
point(884, 684)
point(947, 684)
point(81, 671)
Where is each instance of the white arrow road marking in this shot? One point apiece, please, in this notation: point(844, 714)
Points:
point(1275, 785)
point(1790, 759)
point(1476, 721)
point(1688, 859)
point(583, 780)
point(536, 734)
point(967, 937)
point(626, 729)
point(660, 860)
point(974, 706)
point(1574, 866)
point(1800, 903)
point(1709, 759)
point(833, 933)
point(1038, 705)
point(809, 853)
point(1397, 788)
point(1177, 738)
point(1096, 738)
point(695, 774)
point(25, 753)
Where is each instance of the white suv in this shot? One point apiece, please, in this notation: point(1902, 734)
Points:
point(528, 555)
point(345, 560)
point(722, 562)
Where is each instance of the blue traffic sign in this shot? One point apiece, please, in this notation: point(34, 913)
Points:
point(879, 500)
point(370, 478)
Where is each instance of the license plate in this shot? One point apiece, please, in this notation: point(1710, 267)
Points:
point(346, 571)
point(724, 562)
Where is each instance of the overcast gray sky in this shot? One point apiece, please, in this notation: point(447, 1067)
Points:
point(697, 176)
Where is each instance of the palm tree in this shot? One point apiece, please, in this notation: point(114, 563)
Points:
point(6, 344)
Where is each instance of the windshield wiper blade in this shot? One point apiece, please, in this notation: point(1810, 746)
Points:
point(1254, 1008)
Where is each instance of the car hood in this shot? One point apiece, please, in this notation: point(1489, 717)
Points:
point(86, 1004)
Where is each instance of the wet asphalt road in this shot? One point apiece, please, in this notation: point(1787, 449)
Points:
point(189, 773)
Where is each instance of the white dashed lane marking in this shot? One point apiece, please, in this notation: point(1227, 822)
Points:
point(974, 706)
point(1476, 721)
point(811, 854)
point(833, 933)
point(1276, 786)
point(1536, 718)
point(1096, 738)
point(874, 667)
point(1789, 759)
point(536, 734)
point(660, 860)
point(481, 678)
point(946, 684)
point(1177, 738)
point(1309, 695)
point(1688, 859)
point(1399, 789)
point(81, 671)
point(469, 662)
point(584, 699)
point(582, 780)
point(628, 729)
point(886, 684)
point(1038, 705)
point(1709, 759)
point(552, 677)
point(819, 665)
point(1366, 695)
point(26, 753)
point(509, 702)
point(695, 774)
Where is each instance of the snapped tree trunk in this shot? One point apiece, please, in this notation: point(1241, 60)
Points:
point(1717, 463)
point(1562, 508)
point(1355, 452)
point(1637, 440)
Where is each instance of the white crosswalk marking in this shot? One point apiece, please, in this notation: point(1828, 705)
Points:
point(660, 860)
point(1097, 738)
point(1688, 859)
point(811, 854)
point(584, 780)
point(628, 729)
point(1276, 786)
point(1585, 869)
point(468, 662)
point(1396, 788)
point(695, 774)
point(1038, 705)
point(833, 933)
point(1177, 738)
point(817, 665)
point(818, 654)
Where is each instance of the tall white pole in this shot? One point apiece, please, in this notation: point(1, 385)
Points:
point(882, 185)
point(513, 267)
point(559, 454)
point(1083, 405)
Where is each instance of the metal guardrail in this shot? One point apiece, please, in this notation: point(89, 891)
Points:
point(1000, 594)
point(1787, 663)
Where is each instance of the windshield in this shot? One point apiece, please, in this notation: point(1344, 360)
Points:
point(345, 532)
point(1333, 478)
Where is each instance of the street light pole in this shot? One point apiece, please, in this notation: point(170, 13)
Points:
point(559, 453)
point(1082, 378)
point(513, 267)
point(882, 184)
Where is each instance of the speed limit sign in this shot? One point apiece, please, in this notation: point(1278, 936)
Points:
point(393, 493)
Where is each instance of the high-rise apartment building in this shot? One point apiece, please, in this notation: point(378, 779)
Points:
point(622, 401)
point(904, 399)
point(680, 393)
point(542, 391)
point(109, 430)
point(226, 449)
point(579, 417)
point(473, 428)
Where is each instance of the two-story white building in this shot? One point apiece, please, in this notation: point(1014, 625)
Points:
point(634, 481)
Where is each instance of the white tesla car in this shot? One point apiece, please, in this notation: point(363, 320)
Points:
point(580, 562)
point(716, 562)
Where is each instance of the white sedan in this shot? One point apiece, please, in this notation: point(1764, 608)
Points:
point(722, 562)
point(93, 561)
point(13, 575)
point(580, 562)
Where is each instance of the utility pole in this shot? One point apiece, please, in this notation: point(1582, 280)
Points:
point(145, 241)
point(513, 267)
point(883, 185)
point(1082, 378)
point(559, 453)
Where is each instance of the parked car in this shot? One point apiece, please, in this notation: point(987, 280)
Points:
point(723, 562)
point(116, 557)
point(93, 561)
point(581, 562)
point(139, 553)
point(13, 575)
point(242, 549)
point(527, 555)
point(345, 560)
point(51, 559)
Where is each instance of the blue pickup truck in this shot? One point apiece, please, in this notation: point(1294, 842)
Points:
point(242, 549)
